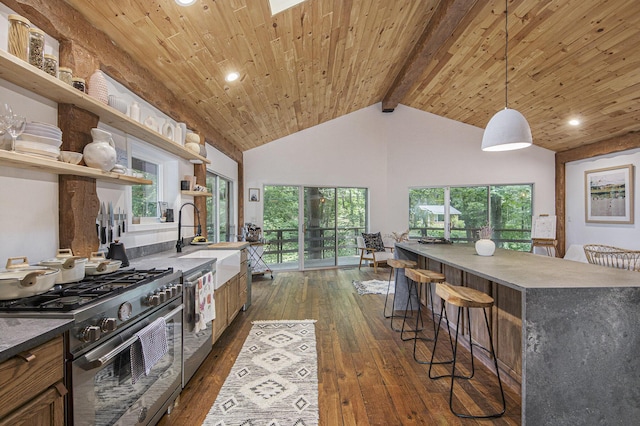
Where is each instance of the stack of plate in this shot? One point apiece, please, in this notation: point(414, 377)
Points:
point(40, 139)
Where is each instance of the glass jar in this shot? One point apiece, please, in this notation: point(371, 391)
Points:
point(36, 48)
point(18, 42)
point(79, 84)
point(51, 65)
point(65, 75)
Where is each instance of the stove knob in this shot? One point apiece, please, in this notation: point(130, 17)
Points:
point(108, 324)
point(174, 291)
point(90, 334)
point(153, 300)
point(163, 296)
point(178, 289)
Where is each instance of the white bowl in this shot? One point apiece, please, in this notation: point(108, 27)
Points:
point(41, 139)
point(37, 147)
point(71, 157)
point(30, 127)
point(43, 132)
point(40, 125)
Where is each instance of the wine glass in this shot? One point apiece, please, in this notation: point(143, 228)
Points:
point(6, 115)
point(18, 123)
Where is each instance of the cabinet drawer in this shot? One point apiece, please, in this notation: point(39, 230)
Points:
point(22, 380)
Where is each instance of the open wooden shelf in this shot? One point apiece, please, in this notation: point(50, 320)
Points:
point(197, 193)
point(37, 81)
point(25, 161)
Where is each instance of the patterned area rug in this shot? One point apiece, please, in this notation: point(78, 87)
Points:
point(373, 287)
point(274, 381)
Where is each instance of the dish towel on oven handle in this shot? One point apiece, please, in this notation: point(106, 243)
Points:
point(149, 347)
point(205, 305)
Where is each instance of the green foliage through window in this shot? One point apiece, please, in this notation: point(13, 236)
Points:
point(144, 198)
point(508, 208)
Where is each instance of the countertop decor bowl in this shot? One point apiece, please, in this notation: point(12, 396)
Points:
point(71, 157)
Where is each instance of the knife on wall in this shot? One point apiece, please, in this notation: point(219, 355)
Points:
point(111, 223)
point(103, 224)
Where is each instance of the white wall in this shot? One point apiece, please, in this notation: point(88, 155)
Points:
point(389, 153)
point(580, 232)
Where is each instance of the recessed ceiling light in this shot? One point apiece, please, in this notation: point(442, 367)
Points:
point(185, 2)
point(574, 122)
point(232, 76)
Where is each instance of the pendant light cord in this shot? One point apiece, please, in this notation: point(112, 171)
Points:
point(506, 56)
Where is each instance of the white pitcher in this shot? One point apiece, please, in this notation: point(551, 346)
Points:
point(101, 153)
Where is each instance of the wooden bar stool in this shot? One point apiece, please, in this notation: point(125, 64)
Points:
point(416, 277)
point(466, 298)
point(395, 264)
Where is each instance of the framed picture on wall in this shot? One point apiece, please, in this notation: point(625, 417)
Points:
point(254, 194)
point(609, 195)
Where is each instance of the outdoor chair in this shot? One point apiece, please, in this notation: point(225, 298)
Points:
point(373, 250)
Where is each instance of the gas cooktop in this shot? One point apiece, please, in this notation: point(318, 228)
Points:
point(91, 290)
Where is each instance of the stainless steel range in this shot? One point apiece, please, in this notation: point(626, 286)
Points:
point(108, 310)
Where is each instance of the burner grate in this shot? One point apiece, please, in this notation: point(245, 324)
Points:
point(68, 297)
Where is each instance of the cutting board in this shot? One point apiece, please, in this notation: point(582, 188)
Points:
point(239, 245)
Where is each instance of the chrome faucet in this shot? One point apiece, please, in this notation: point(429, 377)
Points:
point(180, 243)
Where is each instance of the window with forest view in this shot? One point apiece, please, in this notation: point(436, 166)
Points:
point(457, 213)
point(144, 198)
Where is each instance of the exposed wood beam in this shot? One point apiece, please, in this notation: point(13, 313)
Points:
point(68, 26)
point(609, 146)
point(437, 34)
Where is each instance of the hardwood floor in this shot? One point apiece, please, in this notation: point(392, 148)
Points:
point(366, 373)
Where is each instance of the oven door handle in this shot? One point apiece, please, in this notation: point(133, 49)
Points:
point(100, 361)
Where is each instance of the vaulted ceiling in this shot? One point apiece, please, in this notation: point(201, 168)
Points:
point(325, 58)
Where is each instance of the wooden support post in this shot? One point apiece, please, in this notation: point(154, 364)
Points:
point(77, 196)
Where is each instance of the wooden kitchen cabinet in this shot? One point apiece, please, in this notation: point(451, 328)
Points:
point(234, 298)
point(31, 386)
point(220, 323)
point(230, 298)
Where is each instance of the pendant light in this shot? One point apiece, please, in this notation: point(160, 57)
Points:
point(508, 129)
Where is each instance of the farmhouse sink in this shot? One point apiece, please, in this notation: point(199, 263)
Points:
point(227, 264)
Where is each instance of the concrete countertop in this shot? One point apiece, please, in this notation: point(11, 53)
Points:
point(21, 334)
point(521, 270)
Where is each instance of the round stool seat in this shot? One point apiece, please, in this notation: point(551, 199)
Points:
point(424, 276)
point(401, 263)
point(463, 297)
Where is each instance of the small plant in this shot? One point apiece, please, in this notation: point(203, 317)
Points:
point(485, 232)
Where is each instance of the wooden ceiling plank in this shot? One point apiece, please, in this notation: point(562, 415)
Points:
point(441, 26)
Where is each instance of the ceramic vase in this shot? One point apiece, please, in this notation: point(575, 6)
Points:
point(485, 247)
point(98, 87)
point(134, 111)
point(101, 153)
point(183, 133)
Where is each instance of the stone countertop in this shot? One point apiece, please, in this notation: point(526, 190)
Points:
point(521, 271)
point(21, 334)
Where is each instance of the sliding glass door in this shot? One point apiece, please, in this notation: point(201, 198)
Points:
point(219, 209)
point(320, 222)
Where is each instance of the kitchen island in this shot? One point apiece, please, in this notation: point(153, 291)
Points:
point(568, 329)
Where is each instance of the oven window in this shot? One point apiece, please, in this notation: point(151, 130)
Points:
point(109, 395)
